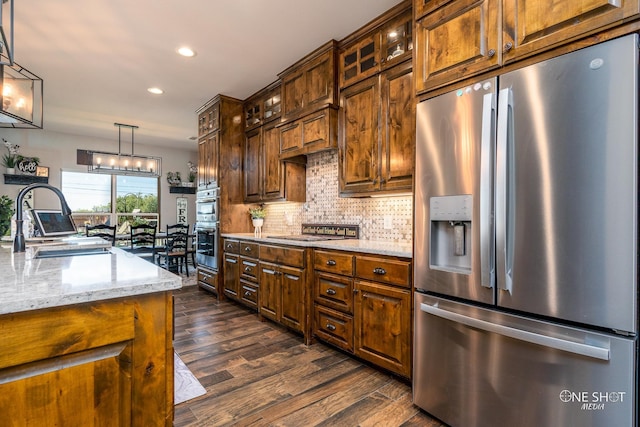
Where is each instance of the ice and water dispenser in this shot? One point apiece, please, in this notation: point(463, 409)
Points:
point(450, 218)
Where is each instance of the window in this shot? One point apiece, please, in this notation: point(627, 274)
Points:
point(110, 199)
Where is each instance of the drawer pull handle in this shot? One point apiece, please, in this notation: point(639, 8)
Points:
point(331, 291)
point(330, 327)
point(379, 270)
point(331, 262)
point(231, 261)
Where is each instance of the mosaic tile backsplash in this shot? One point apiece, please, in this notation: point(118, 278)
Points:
point(325, 206)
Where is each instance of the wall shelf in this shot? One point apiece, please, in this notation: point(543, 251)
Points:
point(182, 190)
point(24, 179)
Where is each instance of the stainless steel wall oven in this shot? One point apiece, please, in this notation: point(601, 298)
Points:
point(207, 206)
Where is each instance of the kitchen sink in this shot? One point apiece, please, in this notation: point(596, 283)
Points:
point(55, 253)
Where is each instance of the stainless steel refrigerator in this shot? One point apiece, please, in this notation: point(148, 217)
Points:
point(526, 245)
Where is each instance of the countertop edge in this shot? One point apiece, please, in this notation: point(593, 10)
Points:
point(375, 247)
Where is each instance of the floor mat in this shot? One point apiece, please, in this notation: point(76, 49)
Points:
point(186, 385)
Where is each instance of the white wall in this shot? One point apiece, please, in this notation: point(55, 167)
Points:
point(57, 151)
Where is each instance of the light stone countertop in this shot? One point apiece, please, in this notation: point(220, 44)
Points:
point(404, 250)
point(29, 283)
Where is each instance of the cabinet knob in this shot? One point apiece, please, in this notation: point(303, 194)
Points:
point(379, 270)
point(355, 291)
point(331, 291)
point(331, 262)
point(330, 327)
point(247, 293)
point(247, 249)
point(507, 47)
point(491, 53)
point(247, 269)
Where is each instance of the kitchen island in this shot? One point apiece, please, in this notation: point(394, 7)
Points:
point(87, 339)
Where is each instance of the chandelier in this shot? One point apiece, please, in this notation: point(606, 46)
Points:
point(20, 97)
point(123, 163)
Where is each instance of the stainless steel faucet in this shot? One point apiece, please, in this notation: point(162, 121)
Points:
point(18, 241)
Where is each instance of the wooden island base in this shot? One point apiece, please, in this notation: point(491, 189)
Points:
point(103, 363)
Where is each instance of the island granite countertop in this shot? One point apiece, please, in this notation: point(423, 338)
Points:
point(375, 247)
point(30, 283)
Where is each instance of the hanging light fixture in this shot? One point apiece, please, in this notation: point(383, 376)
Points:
point(6, 32)
point(20, 97)
point(122, 163)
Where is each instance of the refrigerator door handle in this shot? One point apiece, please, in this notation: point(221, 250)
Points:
point(504, 215)
point(487, 270)
point(518, 334)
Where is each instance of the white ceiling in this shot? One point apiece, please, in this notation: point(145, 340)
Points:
point(98, 57)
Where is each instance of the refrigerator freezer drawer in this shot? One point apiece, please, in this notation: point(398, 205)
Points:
point(477, 367)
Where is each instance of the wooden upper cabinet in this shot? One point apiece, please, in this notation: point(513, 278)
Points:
point(397, 40)
point(311, 134)
point(532, 26)
point(273, 179)
point(209, 119)
point(359, 143)
point(208, 161)
point(360, 60)
point(310, 84)
point(384, 42)
point(377, 144)
point(398, 128)
point(263, 107)
point(252, 167)
point(456, 41)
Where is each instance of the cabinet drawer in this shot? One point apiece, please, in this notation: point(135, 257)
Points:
point(334, 291)
point(249, 294)
point(231, 246)
point(333, 262)
point(282, 255)
point(210, 279)
point(384, 270)
point(248, 268)
point(248, 249)
point(334, 327)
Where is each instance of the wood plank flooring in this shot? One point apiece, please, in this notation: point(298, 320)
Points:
point(259, 374)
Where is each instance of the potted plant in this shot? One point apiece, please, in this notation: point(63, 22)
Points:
point(257, 218)
point(193, 169)
point(10, 159)
point(6, 212)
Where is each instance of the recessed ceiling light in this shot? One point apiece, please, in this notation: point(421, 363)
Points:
point(155, 90)
point(186, 51)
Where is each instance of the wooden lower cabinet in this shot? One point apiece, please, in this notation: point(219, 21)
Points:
point(231, 265)
point(282, 294)
point(241, 272)
point(362, 304)
point(382, 316)
point(106, 363)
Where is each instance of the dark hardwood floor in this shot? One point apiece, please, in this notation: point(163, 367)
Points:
point(259, 374)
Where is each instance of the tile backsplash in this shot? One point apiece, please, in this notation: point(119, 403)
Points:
point(325, 206)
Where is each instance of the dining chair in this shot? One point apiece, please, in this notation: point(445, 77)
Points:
point(174, 256)
point(107, 232)
point(191, 248)
point(143, 241)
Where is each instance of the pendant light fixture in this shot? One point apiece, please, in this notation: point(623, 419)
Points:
point(123, 163)
point(20, 97)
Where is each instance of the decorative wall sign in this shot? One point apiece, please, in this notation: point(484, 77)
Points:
point(27, 165)
point(42, 171)
point(182, 210)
